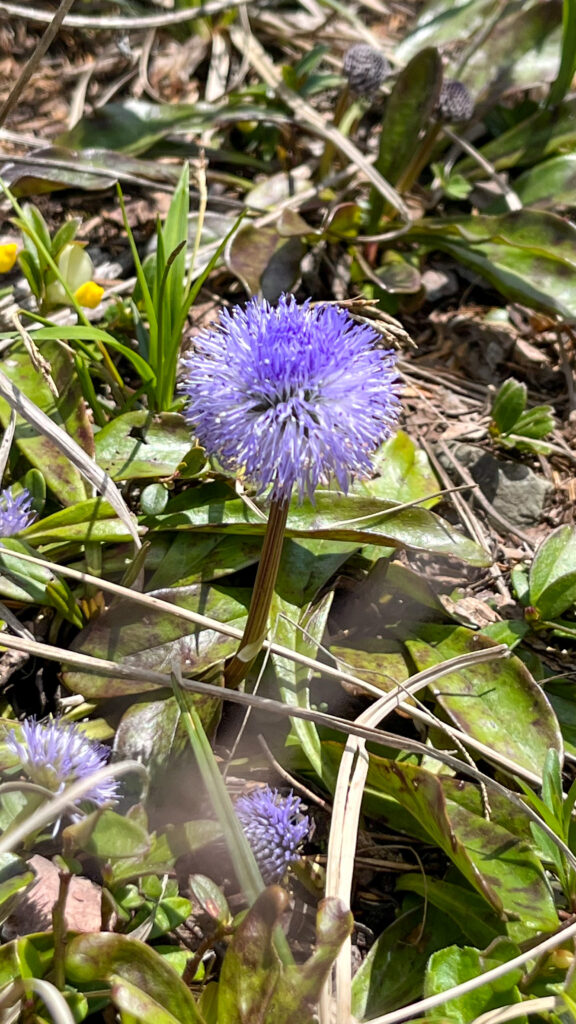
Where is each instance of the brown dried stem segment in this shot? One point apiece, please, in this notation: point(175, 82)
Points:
point(257, 623)
point(29, 68)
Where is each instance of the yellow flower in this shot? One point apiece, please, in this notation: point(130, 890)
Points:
point(89, 294)
point(8, 254)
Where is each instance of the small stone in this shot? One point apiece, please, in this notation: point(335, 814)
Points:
point(34, 911)
point(514, 490)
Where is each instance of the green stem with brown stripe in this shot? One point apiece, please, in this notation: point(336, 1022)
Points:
point(257, 622)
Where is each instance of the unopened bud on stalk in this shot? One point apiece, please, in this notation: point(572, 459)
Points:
point(365, 68)
point(454, 103)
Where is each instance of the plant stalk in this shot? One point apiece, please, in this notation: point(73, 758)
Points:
point(257, 623)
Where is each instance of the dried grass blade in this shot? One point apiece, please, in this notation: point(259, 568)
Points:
point(69, 447)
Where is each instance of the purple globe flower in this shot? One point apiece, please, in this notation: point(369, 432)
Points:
point(15, 512)
point(289, 396)
point(54, 754)
point(274, 827)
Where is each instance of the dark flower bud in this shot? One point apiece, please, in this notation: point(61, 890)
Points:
point(454, 103)
point(365, 68)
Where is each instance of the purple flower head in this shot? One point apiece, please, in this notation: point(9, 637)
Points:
point(54, 754)
point(274, 827)
point(15, 512)
point(290, 395)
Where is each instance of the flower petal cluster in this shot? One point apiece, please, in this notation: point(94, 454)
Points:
point(274, 827)
point(365, 68)
point(15, 512)
point(76, 268)
point(291, 395)
point(454, 103)
point(54, 754)
point(89, 294)
point(8, 256)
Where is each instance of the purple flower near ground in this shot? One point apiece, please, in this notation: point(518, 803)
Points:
point(289, 396)
point(54, 754)
point(15, 512)
point(274, 827)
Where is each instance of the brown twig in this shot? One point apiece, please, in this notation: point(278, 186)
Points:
point(55, 22)
point(107, 23)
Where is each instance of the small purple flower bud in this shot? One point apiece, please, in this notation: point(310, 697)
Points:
point(365, 68)
point(54, 754)
point(15, 512)
point(292, 395)
point(275, 827)
point(454, 103)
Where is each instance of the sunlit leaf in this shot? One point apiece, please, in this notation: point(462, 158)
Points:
point(553, 573)
point(497, 702)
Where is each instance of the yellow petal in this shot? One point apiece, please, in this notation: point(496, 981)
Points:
point(89, 294)
point(8, 254)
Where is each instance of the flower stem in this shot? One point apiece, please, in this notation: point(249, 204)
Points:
point(419, 159)
point(257, 622)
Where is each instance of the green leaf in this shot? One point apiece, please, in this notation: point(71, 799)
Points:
point(153, 732)
point(535, 423)
point(15, 878)
point(28, 957)
point(266, 262)
point(134, 126)
point(521, 51)
point(251, 969)
point(68, 411)
point(165, 849)
point(550, 184)
point(22, 581)
point(398, 275)
point(91, 520)
point(82, 333)
point(137, 1006)
point(392, 974)
point(106, 834)
point(178, 563)
point(528, 255)
point(254, 986)
point(466, 908)
point(519, 579)
point(402, 473)
point(541, 135)
point(562, 696)
point(442, 21)
point(508, 631)
point(563, 81)
point(498, 702)
point(408, 112)
point(302, 632)
point(153, 499)
point(353, 518)
point(31, 272)
point(167, 290)
point(151, 640)
point(499, 865)
point(509, 403)
point(136, 972)
point(553, 573)
point(210, 899)
point(452, 966)
point(299, 987)
point(138, 445)
point(65, 234)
